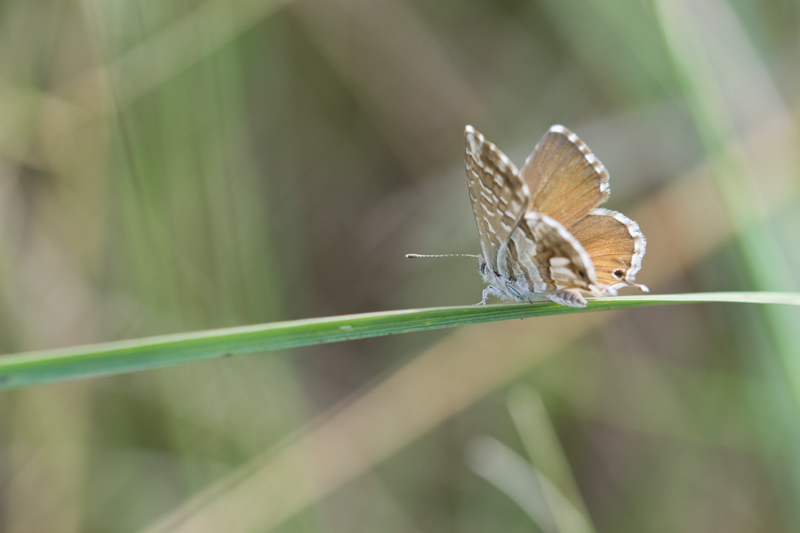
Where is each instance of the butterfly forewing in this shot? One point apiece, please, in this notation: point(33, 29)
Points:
point(499, 196)
point(614, 244)
point(566, 180)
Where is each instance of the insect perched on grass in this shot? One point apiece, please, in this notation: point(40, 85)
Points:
point(542, 233)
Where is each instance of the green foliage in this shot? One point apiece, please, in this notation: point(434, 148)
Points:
point(22, 370)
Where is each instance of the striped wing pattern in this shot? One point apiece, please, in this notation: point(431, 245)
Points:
point(499, 196)
point(541, 231)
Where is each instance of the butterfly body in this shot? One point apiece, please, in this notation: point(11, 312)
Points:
point(541, 232)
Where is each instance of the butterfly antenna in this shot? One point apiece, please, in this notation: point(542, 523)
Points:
point(416, 256)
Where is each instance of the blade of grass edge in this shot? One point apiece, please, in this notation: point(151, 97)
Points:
point(50, 366)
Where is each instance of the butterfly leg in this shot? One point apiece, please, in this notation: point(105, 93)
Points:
point(485, 295)
point(568, 297)
point(491, 290)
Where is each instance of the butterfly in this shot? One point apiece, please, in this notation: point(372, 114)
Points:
point(542, 233)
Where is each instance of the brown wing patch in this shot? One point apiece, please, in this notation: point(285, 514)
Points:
point(615, 245)
point(499, 196)
point(558, 257)
point(565, 178)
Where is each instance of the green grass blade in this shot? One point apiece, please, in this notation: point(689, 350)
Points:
point(48, 366)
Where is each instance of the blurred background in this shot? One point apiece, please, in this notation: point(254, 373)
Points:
point(179, 166)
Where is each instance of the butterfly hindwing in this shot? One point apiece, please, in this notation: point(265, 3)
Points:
point(615, 245)
point(542, 259)
point(560, 259)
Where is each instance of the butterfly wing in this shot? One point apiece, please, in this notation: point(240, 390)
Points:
point(615, 245)
point(565, 178)
point(499, 196)
point(559, 260)
point(541, 259)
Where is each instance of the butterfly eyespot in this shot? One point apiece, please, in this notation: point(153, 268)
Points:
point(618, 273)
